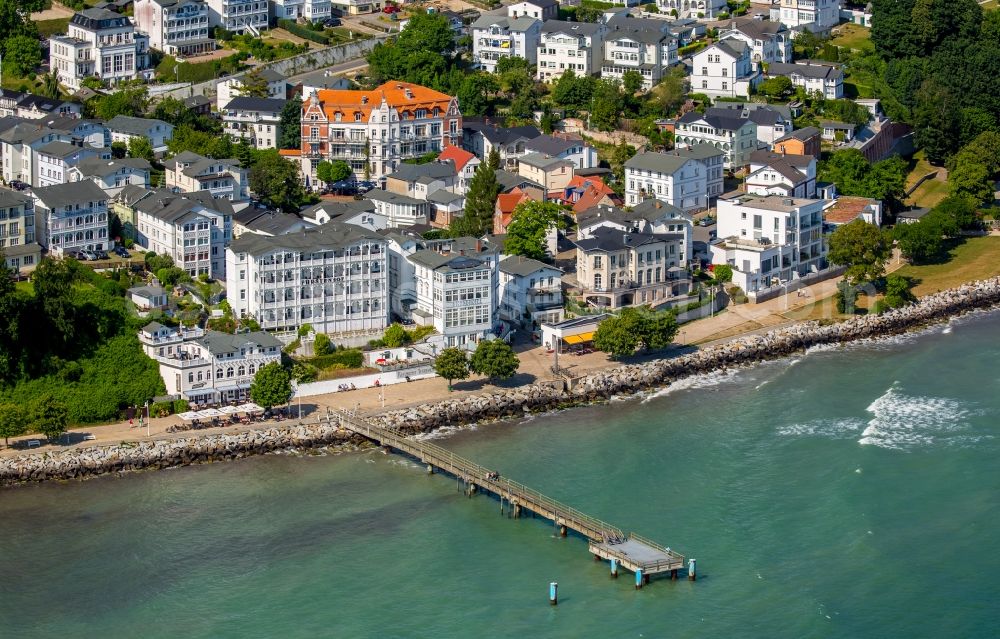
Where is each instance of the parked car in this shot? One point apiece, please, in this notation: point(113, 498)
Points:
point(121, 251)
point(390, 9)
point(88, 255)
point(18, 185)
point(100, 255)
point(332, 22)
point(76, 255)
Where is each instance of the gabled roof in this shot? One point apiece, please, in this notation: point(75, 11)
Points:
point(551, 145)
point(800, 134)
point(100, 167)
point(69, 193)
point(507, 202)
point(523, 266)
point(134, 126)
point(414, 172)
point(402, 96)
point(522, 23)
point(249, 103)
point(326, 237)
point(501, 135)
point(221, 343)
point(814, 70)
point(510, 180)
point(543, 161)
point(659, 162)
point(336, 209)
point(652, 209)
point(571, 28)
point(459, 156)
point(756, 29)
point(60, 149)
point(608, 239)
point(10, 198)
point(445, 261)
point(733, 48)
point(716, 120)
point(173, 207)
point(380, 195)
point(541, 4)
point(441, 196)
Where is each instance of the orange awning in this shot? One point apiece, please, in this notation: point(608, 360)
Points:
point(579, 339)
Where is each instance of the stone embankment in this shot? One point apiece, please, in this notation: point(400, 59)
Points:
point(601, 385)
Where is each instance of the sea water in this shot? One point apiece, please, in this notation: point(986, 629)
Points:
point(846, 492)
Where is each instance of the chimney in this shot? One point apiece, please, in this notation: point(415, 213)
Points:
point(479, 246)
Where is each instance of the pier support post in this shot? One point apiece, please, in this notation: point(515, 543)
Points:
point(673, 575)
point(517, 511)
point(638, 578)
point(597, 557)
point(562, 530)
point(472, 489)
point(430, 469)
point(554, 593)
point(692, 575)
point(614, 569)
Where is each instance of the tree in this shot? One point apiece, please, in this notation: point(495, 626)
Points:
point(49, 416)
point(395, 336)
point(846, 297)
point(129, 100)
point(452, 364)
point(324, 172)
point(723, 273)
point(53, 284)
point(776, 87)
point(922, 241)
point(50, 85)
point(480, 203)
point(140, 147)
point(493, 159)
point(607, 105)
point(668, 96)
point(659, 329)
point(571, 91)
point(430, 32)
point(22, 55)
point(897, 291)
point(253, 84)
point(632, 82)
point(331, 172)
point(621, 154)
point(495, 359)
point(971, 178)
point(322, 345)
point(271, 386)
point(476, 93)
point(854, 175)
point(276, 181)
point(290, 127)
point(863, 248)
point(961, 211)
point(529, 226)
point(13, 421)
point(619, 335)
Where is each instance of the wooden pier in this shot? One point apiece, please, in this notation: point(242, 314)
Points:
point(631, 552)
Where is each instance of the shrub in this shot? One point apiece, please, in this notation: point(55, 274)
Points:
point(305, 329)
point(346, 357)
point(322, 345)
point(303, 32)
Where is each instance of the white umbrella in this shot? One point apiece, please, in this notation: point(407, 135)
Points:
point(188, 416)
point(250, 407)
point(209, 412)
point(229, 410)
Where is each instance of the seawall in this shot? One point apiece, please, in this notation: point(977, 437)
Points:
point(598, 386)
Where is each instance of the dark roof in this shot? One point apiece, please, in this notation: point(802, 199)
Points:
point(133, 126)
point(608, 239)
point(523, 266)
point(434, 170)
point(196, 100)
point(760, 115)
point(445, 261)
point(763, 156)
point(501, 135)
point(249, 103)
point(336, 209)
point(510, 180)
point(327, 237)
point(756, 29)
point(801, 134)
point(647, 31)
point(571, 28)
point(659, 162)
point(172, 207)
point(219, 343)
point(69, 193)
point(39, 102)
point(913, 214)
point(100, 166)
point(10, 198)
point(541, 4)
point(551, 145)
point(441, 196)
point(735, 48)
point(99, 19)
point(60, 149)
point(388, 196)
point(817, 71)
point(273, 223)
point(721, 121)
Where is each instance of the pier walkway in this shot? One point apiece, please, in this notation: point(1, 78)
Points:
point(631, 552)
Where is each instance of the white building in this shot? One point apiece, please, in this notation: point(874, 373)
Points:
point(175, 27)
point(399, 210)
point(724, 70)
point(822, 78)
point(643, 45)
point(17, 230)
point(496, 37)
point(189, 172)
point(112, 175)
point(256, 119)
point(769, 42)
point(55, 160)
point(569, 45)
point(769, 240)
point(675, 178)
point(814, 15)
point(71, 216)
point(531, 292)
point(98, 43)
point(192, 228)
point(208, 367)
point(123, 128)
point(699, 9)
point(538, 9)
point(781, 174)
point(378, 128)
point(455, 286)
point(239, 16)
point(564, 147)
point(730, 133)
point(226, 90)
point(332, 277)
point(311, 10)
point(18, 150)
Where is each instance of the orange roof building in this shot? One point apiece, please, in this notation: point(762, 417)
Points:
point(586, 192)
point(504, 211)
point(396, 121)
point(465, 165)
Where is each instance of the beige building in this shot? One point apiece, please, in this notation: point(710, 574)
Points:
point(616, 268)
point(552, 173)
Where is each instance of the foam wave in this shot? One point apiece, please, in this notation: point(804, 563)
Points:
point(832, 428)
point(695, 382)
point(901, 422)
point(443, 432)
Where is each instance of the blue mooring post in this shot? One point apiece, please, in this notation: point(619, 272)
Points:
point(614, 569)
point(638, 578)
point(691, 571)
point(553, 593)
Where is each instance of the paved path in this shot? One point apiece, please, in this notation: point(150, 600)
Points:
point(54, 13)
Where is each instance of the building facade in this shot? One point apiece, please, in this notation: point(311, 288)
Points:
point(821, 78)
point(175, 27)
point(498, 37)
point(72, 216)
point(258, 120)
point(642, 45)
point(724, 70)
point(531, 293)
point(564, 46)
point(769, 42)
point(697, 9)
point(732, 134)
point(332, 277)
point(189, 172)
point(814, 15)
point(377, 129)
point(239, 16)
point(17, 230)
point(99, 43)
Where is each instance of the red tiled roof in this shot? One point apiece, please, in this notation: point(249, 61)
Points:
point(290, 153)
point(847, 209)
point(456, 154)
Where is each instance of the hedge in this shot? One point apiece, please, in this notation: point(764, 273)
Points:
point(347, 357)
point(691, 48)
point(302, 31)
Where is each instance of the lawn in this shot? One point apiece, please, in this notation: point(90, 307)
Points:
point(930, 192)
point(853, 36)
point(974, 259)
point(198, 71)
point(47, 28)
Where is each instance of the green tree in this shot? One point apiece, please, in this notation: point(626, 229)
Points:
point(659, 329)
point(621, 154)
point(607, 105)
point(276, 181)
point(668, 96)
point(271, 386)
point(452, 364)
point(495, 359)
point(252, 84)
point(49, 416)
point(493, 159)
point(22, 55)
point(573, 92)
point(53, 284)
point(971, 178)
point(140, 147)
point(960, 210)
point(863, 248)
point(13, 422)
point(528, 227)
point(632, 82)
point(50, 86)
point(324, 171)
point(476, 94)
point(480, 203)
point(395, 336)
point(897, 291)
point(130, 100)
point(322, 345)
point(922, 241)
point(290, 127)
point(776, 87)
point(846, 297)
point(723, 273)
point(619, 335)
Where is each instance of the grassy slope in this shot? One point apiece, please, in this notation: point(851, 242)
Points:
point(974, 259)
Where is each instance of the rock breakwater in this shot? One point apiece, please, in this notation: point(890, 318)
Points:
point(601, 385)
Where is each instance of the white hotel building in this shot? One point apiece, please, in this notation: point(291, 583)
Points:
point(208, 367)
point(567, 46)
point(332, 277)
point(239, 16)
point(769, 240)
point(175, 27)
point(498, 37)
point(98, 43)
point(71, 216)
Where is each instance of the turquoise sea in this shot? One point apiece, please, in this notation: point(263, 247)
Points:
point(849, 492)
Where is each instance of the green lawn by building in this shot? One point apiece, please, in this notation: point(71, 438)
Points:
point(853, 36)
point(976, 258)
